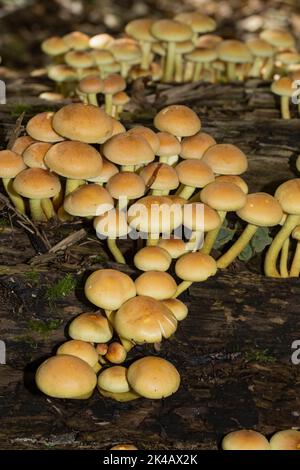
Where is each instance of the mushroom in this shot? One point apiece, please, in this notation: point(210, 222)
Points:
point(112, 84)
point(195, 146)
point(198, 22)
point(288, 195)
point(108, 170)
point(101, 41)
point(109, 289)
point(77, 40)
point(178, 120)
point(152, 258)
point(149, 135)
point(124, 187)
point(193, 174)
point(156, 284)
point(112, 225)
point(54, 46)
point(245, 439)
point(263, 54)
point(38, 186)
point(160, 177)
point(295, 268)
point(201, 57)
point(169, 148)
point(284, 88)
point(233, 52)
point(143, 319)
point(124, 447)
point(120, 99)
point(178, 308)
point(88, 201)
point(66, 376)
point(171, 32)
point(153, 377)
point(199, 218)
point(193, 267)
point(63, 75)
point(34, 155)
point(102, 58)
point(11, 164)
point(260, 210)
point(225, 159)
point(79, 60)
point(174, 246)
point(40, 127)
point(90, 86)
point(91, 327)
point(182, 48)
point(113, 383)
point(140, 30)
point(116, 353)
point(81, 349)
point(289, 439)
point(280, 40)
point(21, 143)
point(126, 51)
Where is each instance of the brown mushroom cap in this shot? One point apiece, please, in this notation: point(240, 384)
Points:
point(194, 147)
point(116, 353)
point(124, 447)
point(261, 209)
point(202, 55)
point(102, 57)
point(36, 183)
point(225, 159)
point(198, 22)
point(125, 49)
point(178, 308)
point(289, 439)
point(288, 195)
point(245, 440)
point(194, 173)
point(113, 83)
point(91, 327)
point(140, 29)
point(283, 86)
point(178, 120)
point(91, 84)
point(157, 284)
point(81, 349)
point(114, 379)
point(209, 41)
point(278, 38)
point(21, 144)
point(144, 319)
point(40, 127)
point(101, 41)
point(75, 160)
point(195, 267)
point(62, 73)
point(162, 176)
point(148, 134)
point(112, 224)
point(153, 377)
point(108, 170)
point(171, 31)
point(109, 289)
point(260, 47)
point(174, 246)
point(152, 258)
point(223, 196)
point(79, 59)
point(169, 145)
point(66, 376)
point(234, 179)
point(126, 184)
point(198, 216)
point(88, 200)
point(54, 46)
point(77, 40)
point(11, 164)
point(34, 155)
point(231, 50)
point(117, 127)
point(83, 122)
point(128, 149)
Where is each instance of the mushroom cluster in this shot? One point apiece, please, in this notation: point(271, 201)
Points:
point(246, 439)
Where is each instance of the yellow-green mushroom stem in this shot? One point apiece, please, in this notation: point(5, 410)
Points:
point(285, 107)
point(15, 198)
point(36, 210)
point(234, 251)
point(295, 267)
point(121, 397)
point(231, 71)
point(72, 184)
point(48, 208)
point(115, 251)
point(187, 192)
point(183, 286)
point(108, 105)
point(152, 240)
point(283, 265)
point(127, 168)
point(170, 62)
point(211, 236)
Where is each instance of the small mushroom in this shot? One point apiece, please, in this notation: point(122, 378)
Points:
point(113, 383)
point(284, 88)
point(157, 284)
point(245, 440)
point(152, 258)
point(91, 327)
point(81, 349)
point(11, 164)
point(193, 267)
point(116, 353)
point(289, 439)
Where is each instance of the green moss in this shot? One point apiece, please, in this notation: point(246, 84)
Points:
point(260, 355)
point(32, 276)
point(18, 108)
point(61, 289)
point(43, 328)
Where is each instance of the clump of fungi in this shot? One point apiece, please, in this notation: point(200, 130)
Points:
point(248, 439)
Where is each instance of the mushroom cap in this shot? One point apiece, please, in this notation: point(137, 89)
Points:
point(91, 84)
point(194, 147)
point(160, 176)
point(225, 159)
point(143, 319)
point(114, 379)
point(54, 45)
point(245, 440)
point(117, 127)
point(102, 57)
point(116, 353)
point(77, 40)
point(81, 349)
point(209, 41)
point(11, 164)
point(36, 183)
point(223, 196)
point(83, 122)
point(235, 179)
point(61, 73)
point(288, 195)
point(88, 200)
point(195, 267)
point(21, 144)
point(79, 59)
point(113, 83)
point(289, 439)
point(125, 49)
point(171, 31)
point(108, 170)
point(65, 376)
point(194, 173)
point(198, 22)
point(157, 284)
point(283, 86)
point(73, 159)
point(178, 120)
point(140, 29)
point(101, 41)
point(174, 246)
point(155, 214)
point(169, 145)
point(261, 209)
point(149, 135)
point(126, 184)
point(124, 447)
point(120, 98)
point(153, 377)
point(200, 217)
point(152, 258)
point(260, 48)
point(109, 289)
point(112, 224)
point(288, 57)
point(128, 149)
point(231, 50)
point(34, 154)
point(40, 127)
point(278, 38)
point(202, 55)
point(178, 308)
point(91, 327)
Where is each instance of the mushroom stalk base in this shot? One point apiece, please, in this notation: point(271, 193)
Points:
point(108, 103)
point(48, 208)
point(213, 235)
point(15, 198)
point(231, 71)
point(146, 53)
point(92, 98)
point(295, 268)
point(285, 107)
point(36, 210)
point(187, 192)
point(112, 245)
point(237, 247)
point(276, 245)
point(284, 259)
